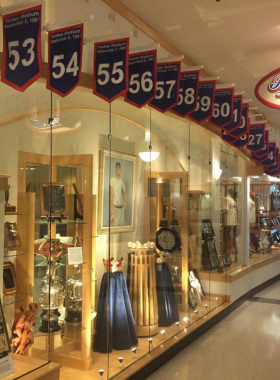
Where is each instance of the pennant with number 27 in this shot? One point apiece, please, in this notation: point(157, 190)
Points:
point(65, 59)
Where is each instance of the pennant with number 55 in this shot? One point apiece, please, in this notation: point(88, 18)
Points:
point(65, 59)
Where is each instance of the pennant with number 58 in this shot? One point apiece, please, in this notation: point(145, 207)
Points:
point(65, 59)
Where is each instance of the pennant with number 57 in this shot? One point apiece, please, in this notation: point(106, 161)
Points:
point(65, 59)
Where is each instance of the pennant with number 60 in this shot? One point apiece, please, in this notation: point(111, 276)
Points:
point(65, 59)
point(22, 59)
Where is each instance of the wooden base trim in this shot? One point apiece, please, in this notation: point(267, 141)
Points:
point(76, 363)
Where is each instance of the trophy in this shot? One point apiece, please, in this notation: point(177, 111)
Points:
point(74, 291)
point(52, 291)
point(174, 221)
point(164, 222)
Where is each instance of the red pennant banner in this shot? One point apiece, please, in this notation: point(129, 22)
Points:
point(110, 71)
point(223, 107)
point(167, 87)
point(142, 69)
point(22, 59)
point(65, 59)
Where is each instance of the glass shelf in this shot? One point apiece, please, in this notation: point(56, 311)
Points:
point(66, 328)
point(62, 262)
point(63, 221)
point(14, 253)
point(15, 213)
point(171, 225)
point(13, 299)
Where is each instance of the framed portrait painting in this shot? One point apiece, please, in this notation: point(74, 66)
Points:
point(117, 192)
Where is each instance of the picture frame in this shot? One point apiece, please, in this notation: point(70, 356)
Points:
point(10, 286)
point(59, 202)
point(226, 259)
point(207, 229)
point(212, 252)
point(112, 216)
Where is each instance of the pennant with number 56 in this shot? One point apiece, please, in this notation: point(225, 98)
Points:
point(22, 59)
point(65, 59)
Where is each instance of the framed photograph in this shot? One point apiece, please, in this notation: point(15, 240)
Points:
point(226, 259)
point(56, 201)
point(117, 192)
point(10, 287)
point(212, 252)
point(207, 229)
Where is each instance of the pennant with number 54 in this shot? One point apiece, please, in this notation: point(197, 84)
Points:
point(65, 59)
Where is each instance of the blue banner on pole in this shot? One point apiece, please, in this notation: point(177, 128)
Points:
point(110, 72)
point(226, 137)
point(237, 115)
point(22, 59)
point(167, 86)
point(223, 107)
point(205, 101)
point(256, 140)
point(237, 132)
point(65, 59)
point(142, 78)
point(188, 93)
point(273, 169)
point(263, 153)
point(271, 157)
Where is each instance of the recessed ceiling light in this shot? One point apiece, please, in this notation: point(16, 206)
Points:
point(174, 27)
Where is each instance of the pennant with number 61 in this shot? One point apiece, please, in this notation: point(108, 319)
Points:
point(65, 59)
point(22, 59)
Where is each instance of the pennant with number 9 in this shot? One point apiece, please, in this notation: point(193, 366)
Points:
point(110, 71)
point(65, 59)
point(22, 59)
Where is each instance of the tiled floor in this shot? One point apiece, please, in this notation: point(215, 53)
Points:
point(243, 346)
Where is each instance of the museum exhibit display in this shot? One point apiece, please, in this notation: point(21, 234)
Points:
point(124, 224)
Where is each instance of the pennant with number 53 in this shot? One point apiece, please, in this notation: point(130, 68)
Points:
point(65, 59)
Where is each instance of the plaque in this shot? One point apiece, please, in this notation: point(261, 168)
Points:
point(226, 259)
point(168, 240)
point(4, 338)
point(53, 198)
point(10, 287)
point(207, 229)
point(213, 257)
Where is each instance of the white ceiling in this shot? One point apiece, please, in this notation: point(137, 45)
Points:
point(237, 40)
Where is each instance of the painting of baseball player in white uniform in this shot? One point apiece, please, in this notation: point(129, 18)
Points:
point(118, 198)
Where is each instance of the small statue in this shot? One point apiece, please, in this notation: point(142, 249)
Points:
point(164, 208)
point(22, 336)
point(7, 195)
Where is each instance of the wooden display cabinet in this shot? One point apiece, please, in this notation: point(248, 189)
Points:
point(76, 347)
point(171, 188)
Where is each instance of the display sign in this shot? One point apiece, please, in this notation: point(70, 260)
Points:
point(275, 167)
point(110, 71)
point(227, 137)
point(271, 157)
point(223, 107)
point(167, 86)
point(267, 90)
point(22, 60)
point(263, 153)
point(237, 132)
point(187, 93)
point(65, 59)
point(205, 101)
point(256, 137)
point(142, 78)
point(237, 115)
